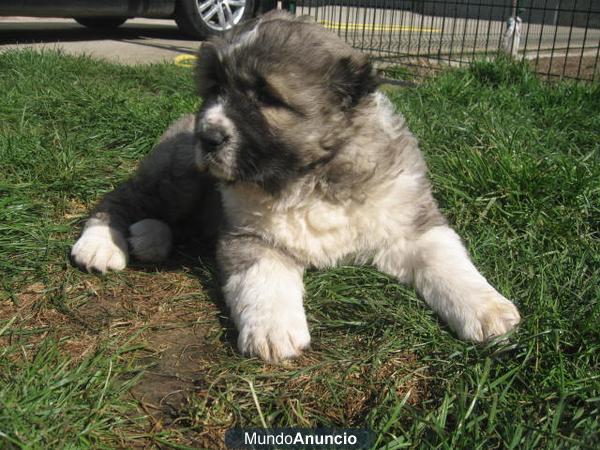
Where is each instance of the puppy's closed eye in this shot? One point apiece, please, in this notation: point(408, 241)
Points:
point(267, 98)
point(267, 95)
point(263, 95)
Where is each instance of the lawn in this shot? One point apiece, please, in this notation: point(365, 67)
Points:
point(146, 357)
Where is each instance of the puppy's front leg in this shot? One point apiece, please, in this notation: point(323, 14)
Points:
point(263, 289)
point(442, 272)
point(100, 247)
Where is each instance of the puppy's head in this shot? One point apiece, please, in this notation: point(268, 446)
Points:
point(277, 91)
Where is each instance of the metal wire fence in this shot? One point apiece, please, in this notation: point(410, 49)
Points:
point(559, 38)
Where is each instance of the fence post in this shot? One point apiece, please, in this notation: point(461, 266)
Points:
point(512, 35)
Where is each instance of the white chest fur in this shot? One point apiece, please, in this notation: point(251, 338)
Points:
point(315, 231)
point(320, 232)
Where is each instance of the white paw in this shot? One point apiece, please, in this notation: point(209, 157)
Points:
point(265, 301)
point(495, 316)
point(276, 339)
point(150, 240)
point(100, 248)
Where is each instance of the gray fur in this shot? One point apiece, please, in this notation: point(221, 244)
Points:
point(238, 252)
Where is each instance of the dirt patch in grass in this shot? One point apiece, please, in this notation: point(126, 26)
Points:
point(166, 314)
point(33, 317)
point(570, 67)
point(170, 315)
point(310, 391)
point(194, 385)
point(172, 374)
point(574, 66)
point(347, 393)
point(136, 298)
point(163, 308)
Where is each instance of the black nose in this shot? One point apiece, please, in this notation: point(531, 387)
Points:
point(212, 137)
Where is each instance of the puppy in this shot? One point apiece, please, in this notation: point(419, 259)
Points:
point(294, 160)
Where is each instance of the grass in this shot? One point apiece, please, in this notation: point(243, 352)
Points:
point(146, 356)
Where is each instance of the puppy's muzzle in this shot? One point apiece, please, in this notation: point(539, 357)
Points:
point(212, 136)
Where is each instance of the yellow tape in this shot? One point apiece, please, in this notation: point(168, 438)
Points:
point(185, 60)
point(376, 27)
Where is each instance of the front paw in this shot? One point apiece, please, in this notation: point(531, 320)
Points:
point(276, 340)
point(493, 317)
point(100, 248)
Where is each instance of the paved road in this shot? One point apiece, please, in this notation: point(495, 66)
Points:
point(408, 33)
point(137, 41)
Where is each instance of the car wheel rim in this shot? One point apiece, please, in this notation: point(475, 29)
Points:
point(221, 15)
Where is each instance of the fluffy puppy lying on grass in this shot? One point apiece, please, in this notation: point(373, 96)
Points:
point(295, 159)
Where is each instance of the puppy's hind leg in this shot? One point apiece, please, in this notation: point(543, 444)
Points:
point(440, 268)
point(263, 288)
point(150, 240)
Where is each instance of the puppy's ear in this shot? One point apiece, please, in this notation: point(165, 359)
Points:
point(353, 77)
point(209, 72)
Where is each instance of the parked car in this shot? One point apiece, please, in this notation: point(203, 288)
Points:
point(197, 18)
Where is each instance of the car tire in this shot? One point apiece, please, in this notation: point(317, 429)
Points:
point(199, 24)
point(106, 23)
